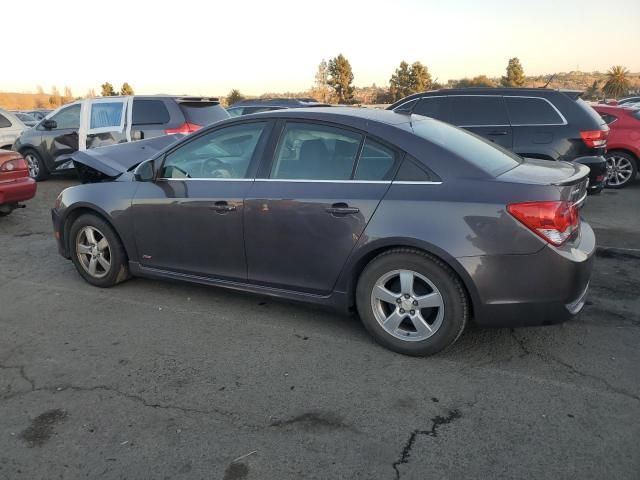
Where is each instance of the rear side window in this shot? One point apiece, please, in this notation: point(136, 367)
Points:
point(4, 121)
point(315, 152)
point(433, 107)
point(202, 113)
point(609, 119)
point(149, 112)
point(478, 111)
point(474, 149)
point(409, 171)
point(376, 162)
point(532, 111)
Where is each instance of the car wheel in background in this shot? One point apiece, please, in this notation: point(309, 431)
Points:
point(621, 169)
point(411, 302)
point(97, 252)
point(37, 169)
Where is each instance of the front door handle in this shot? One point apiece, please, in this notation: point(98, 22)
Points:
point(342, 209)
point(497, 132)
point(222, 207)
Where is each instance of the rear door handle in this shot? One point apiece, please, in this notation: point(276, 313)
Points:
point(222, 207)
point(342, 209)
point(497, 132)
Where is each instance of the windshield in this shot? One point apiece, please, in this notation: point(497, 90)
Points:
point(486, 155)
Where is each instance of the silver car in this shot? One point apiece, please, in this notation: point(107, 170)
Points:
point(10, 129)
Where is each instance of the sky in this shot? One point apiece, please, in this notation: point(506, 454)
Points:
point(257, 46)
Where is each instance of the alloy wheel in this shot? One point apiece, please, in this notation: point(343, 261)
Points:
point(407, 305)
point(32, 163)
point(619, 170)
point(93, 251)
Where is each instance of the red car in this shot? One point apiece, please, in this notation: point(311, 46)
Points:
point(15, 183)
point(623, 144)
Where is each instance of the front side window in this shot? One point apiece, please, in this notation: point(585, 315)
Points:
point(532, 111)
point(376, 162)
point(315, 152)
point(224, 153)
point(478, 111)
point(68, 117)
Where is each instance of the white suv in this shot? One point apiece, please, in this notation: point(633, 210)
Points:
point(10, 129)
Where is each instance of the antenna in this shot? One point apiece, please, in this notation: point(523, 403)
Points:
point(549, 81)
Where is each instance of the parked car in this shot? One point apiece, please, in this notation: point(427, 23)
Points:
point(532, 122)
point(10, 129)
point(623, 144)
point(624, 101)
point(103, 121)
point(38, 114)
point(257, 105)
point(419, 225)
point(27, 119)
point(15, 183)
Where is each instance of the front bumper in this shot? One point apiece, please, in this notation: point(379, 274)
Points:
point(597, 172)
point(542, 288)
point(20, 190)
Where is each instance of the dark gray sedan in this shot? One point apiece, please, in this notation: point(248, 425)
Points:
point(417, 225)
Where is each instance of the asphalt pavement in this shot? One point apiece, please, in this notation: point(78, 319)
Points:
point(152, 380)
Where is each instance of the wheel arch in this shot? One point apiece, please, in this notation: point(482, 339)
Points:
point(74, 213)
point(635, 155)
point(366, 254)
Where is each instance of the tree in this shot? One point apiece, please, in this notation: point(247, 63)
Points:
point(420, 78)
point(55, 100)
point(618, 83)
point(400, 84)
point(321, 90)
point(107, 90)
point(234, 96)
point(126, 89)
point(515, 74)
point(91, 93)
point(478, 81)
point(340, 78)
point(593, 92)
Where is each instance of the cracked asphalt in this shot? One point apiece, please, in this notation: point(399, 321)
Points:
point(164, 380)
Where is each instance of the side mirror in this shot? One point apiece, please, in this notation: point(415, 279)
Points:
point(144, 172)
point(50, 124)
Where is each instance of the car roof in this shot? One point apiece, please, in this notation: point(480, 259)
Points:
point(356, 117)
point(279, 102)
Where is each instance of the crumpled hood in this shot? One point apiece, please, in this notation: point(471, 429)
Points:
point(113, 160)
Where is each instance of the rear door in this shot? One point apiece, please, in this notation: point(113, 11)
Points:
point(310, 204)
point(484, 115)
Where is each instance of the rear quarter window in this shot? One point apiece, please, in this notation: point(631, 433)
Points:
point(481, 153)
point(532, 111)
point(202, 113)
point(150, 112)
point(4, 121)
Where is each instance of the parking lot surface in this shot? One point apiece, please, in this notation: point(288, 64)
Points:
point(164, 380)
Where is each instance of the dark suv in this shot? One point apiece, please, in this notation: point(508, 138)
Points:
point(257, 105)
point(532, 122)
point(96, 122)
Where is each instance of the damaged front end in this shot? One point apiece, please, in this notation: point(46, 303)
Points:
point(107, 163)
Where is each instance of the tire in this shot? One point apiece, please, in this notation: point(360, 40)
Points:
point(622, 169)
point(99, 254)
point(434, 285)
point(37, 169)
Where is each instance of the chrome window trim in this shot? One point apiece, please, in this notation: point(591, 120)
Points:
point(564, 120)
point(302, 180)
point(206, 179)
point(418, 182)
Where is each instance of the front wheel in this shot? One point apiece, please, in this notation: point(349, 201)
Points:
point(621, 169)
point(96, 251)
point(37, 169)
point(411, 302)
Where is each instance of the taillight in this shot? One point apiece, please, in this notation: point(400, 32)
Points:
point(185, 128)
point(554, 222)
point(14, 165)
point(595, 138)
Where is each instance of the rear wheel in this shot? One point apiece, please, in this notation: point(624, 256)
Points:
point(621, 169)
point(96, 251)
point(37, 169)
point(411, 302)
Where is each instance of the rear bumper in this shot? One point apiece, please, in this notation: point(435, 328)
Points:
point(543, 288)
point(15, 191)
point(597, 172)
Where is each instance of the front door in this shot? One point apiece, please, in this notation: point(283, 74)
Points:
point(304, 218)
point(190, 219)
point(63, 139)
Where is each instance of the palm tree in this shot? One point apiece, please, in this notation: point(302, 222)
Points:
point(617, 82)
